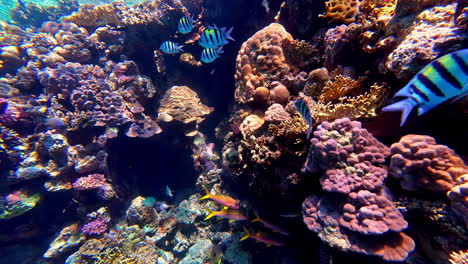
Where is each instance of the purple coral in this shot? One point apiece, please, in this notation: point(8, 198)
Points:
point(352, 161)
point(95, 227)
point(89, 182)
point(349, 154)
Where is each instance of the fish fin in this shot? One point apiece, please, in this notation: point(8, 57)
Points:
point(208, 194)
point(225, 207)
point(257, 218)
point(220, 50)
point(268, 245)
point(458, 97)
point(404, 92)
point(231, 220)
point(228, 34)
point(247, 234)
point(210, 214)
point(309, 131)
point(405, 106)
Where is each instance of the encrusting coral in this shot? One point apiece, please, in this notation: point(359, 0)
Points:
point(341, 10)
point(420, 163)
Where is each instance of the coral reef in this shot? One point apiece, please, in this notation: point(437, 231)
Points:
point(353, 163)
point(341, 10)
point(420, 163)
point(260, 61)
point(17, 203)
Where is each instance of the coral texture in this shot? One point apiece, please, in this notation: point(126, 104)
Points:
point(260, 61)
point(420, 163)
point(341, 10)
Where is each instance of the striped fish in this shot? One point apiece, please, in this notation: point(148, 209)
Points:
point(186, 24)
point(170, 47)
point(440, 80)
point(210, 54)
point(304, 110)
point(214, 37)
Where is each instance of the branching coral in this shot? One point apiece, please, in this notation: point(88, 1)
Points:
point(290, 128)
point(356, 107)
point(341, 10)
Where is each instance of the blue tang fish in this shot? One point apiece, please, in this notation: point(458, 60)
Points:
point(170, 47)
point(214, 37)
point(211, 54)
point(440, 80)
point(304, 110)
point(186, 24)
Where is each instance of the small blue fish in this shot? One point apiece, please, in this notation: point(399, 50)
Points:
point(169, 192)
point(54, 123)
point(304, 110)
point(170, 47)
point(211, 54)
point(186, 24)
point(440, 80)
point(214, 37)
point(149, 201)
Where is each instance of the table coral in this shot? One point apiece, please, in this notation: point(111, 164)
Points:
point(182, 104)
point(420, 163)
point(260, 61)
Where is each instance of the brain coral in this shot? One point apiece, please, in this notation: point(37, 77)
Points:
point(420, 163)
point(182, 104)
point(260, 61)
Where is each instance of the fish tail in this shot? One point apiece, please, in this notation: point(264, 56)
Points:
point(208, 194)
point(210, 214)
point(405, 106)
point(247, 234)
point(228, 34)
point(257, 218)
point(309, 131)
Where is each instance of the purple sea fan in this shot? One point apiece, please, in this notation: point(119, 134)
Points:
point(95, 227)
point(89, 182)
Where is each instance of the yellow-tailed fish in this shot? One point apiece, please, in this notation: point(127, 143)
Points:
point(231, 214)
point(261, 237)
point(222, 199)
point(270, 225)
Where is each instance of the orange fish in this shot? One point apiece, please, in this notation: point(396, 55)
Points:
point(222, 199)
point(232, 214)
point(261, 237)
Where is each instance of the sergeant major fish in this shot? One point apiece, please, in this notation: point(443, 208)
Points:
point(186, 24)
point(303, 109)
point(210, 54)
point(170, 47)
point(214, 37)
point(440, 80)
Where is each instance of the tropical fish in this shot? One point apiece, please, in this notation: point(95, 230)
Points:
point(290, 215)
point(304, 110)
point(270, 225)
point(231, 214)
point(162, 206)
point(217, 255)
point(440, 80)
point(214, 37)
point(186, 24)
point(261, 237)
point(222, 199)
point(54, 123)
point(169, 192)
point(149, 201)
point(170, 47)
point(211, 54)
